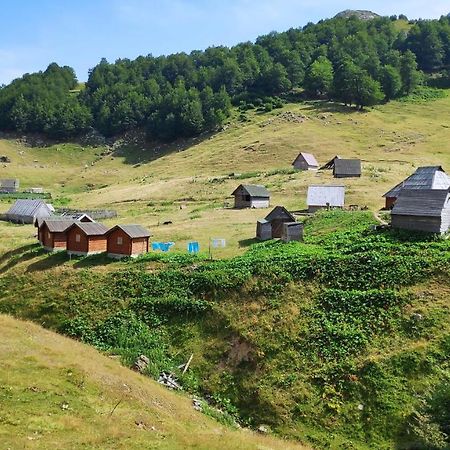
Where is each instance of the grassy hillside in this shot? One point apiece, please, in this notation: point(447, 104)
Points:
point(57, 393)
point(341, 341)
point(148, 184)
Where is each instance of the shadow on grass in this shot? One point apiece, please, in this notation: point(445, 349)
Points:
point(248, 242)
point(17, 251)
point(134, 154)
point(52, 260)
point(86, 262)
point(29, 253)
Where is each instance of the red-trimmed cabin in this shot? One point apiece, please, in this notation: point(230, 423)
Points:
point(86, 238)
point(127, 240)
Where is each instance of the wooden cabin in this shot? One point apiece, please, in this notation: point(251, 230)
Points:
point(38, 223)
point(429, 177)
point(9, 185)
point(277, 217)
point(53, 234)
point(86, 238)
point(422, 210)
point(325, 197)
point(27, 211)
point(305, 161)
point(251, 196)
point(263, 230)
point(347, 168)
point(127, 240)
point(330, 164)
point(292, 231)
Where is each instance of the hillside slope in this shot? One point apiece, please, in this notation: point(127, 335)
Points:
point(57, 393)
point(149, 183)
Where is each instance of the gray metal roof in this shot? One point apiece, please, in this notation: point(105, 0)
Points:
point(254, 190)
point(27, 208)
point(58, 226)
point(421, 202)
point(309, 159)
point(133, 231)
point(91, 228)
point(280, 212)
point(428, 177)
point(347, 167)
point(326, 195)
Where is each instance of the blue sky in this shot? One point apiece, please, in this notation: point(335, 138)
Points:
point(79, 33)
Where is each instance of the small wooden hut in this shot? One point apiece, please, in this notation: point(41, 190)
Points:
point(263, 230)
point(422, 210)
point(127, 240)
point(347, 168)
point(330, 164)
point(428, 177)
point(292, 231)
point(277, 217)
point(86, 238)
point(53, 234)
point(251, 196)
point(305, 161)
point(27, 211)
point(9, 185)
point(325, 197)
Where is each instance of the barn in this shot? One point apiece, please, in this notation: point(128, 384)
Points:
point(347, 168)
point(9, 185)
point(305, 161)
point(277, 217)
point(427, 177)
point(53, 234)
point(127, 240)
point(422, 210)
point(325, 197)
point(86, 238)
point(251, 196)
point(27, 211)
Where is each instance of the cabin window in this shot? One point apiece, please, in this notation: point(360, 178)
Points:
point(77, 238)
point(247, 198)
point(119, 240)
point(48, 235)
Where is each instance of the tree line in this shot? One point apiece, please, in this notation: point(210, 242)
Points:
point(351, 61)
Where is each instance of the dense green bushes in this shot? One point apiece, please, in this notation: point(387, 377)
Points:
point(330, 337)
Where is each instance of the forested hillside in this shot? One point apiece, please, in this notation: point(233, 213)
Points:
point(347, 60)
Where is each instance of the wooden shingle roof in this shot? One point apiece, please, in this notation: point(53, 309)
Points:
point(279, 212)
point(254, 190)
point(347, 167)
point(90, 228)
point(133, 231)
point(309, 159)
point(421, 202)
point(58, 226)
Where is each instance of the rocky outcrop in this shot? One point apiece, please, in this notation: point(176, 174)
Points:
point(359, 13)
